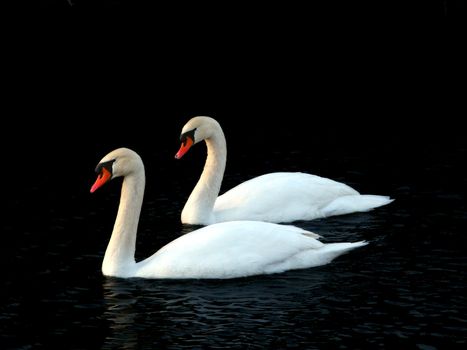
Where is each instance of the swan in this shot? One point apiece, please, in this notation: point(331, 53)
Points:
point(223, 250)
point(278, 197)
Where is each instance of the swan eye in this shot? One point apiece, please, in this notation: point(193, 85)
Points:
point(104, 165)
point(188, 135)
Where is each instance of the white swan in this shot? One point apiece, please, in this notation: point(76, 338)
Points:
point(278, 197)
point(224, 250)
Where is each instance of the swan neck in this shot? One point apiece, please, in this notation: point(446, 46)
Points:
point(119, 258)
point(200, 204)
point(216, 159)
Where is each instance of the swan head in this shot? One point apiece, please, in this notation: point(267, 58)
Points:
point(195, 130)
point(120, 162)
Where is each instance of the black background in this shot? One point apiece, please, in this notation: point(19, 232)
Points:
point(83, 78)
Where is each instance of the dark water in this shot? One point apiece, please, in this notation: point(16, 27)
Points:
point(406, 289)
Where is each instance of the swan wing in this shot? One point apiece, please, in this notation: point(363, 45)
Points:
point(231, 249)
point(280, 197)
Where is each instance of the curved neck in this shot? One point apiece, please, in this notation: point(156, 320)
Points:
point(200, 204)
point(119, 258)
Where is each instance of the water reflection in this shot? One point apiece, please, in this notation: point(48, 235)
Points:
point(120, 313)
point(189, 313)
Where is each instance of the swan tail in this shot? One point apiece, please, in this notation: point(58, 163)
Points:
point(314, 257)
point(355, 203)
point(343, 247)
point(332, 250)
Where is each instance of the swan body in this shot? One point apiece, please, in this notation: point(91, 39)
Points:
point(223, 250)
point(278, 197)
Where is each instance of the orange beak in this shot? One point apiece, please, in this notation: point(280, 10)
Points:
point(102, 178)
point(186, 145)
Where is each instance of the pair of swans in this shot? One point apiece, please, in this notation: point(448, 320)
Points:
point(223, 249)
